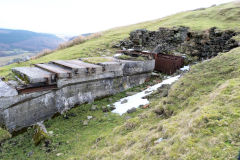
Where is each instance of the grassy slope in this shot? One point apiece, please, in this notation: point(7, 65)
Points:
point(70, 137)
point(205, 123)
point(205, 98)
point(225, 16)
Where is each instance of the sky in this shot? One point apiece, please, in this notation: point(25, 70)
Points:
point(74, 17)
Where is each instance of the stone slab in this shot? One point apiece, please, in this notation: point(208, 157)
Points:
point(91, 68)
point(76, 68)
point(58, 70)
point(7, 91)
point(33, 74)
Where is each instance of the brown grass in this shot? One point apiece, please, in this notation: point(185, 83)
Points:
point(78, 40)
point(42, 53)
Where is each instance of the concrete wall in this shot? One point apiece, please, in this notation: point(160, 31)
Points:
point(19, 111)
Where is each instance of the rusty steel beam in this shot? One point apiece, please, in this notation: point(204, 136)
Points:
point(31, 89)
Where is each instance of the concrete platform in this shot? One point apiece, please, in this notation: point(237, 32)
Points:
point(34, 74)
point(74, 82)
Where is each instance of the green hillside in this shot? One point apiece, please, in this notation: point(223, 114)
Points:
point(226, 16)
point(199, 119)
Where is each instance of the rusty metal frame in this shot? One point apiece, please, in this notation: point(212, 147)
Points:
point(164, 63)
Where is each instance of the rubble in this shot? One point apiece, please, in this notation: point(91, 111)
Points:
point(205, 44)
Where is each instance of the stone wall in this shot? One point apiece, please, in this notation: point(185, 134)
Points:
point(21, 110)
point(203, 44)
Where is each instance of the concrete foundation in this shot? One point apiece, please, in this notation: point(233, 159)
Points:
point(22, 110)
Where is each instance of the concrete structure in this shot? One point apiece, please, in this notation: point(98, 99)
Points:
point(57, 86)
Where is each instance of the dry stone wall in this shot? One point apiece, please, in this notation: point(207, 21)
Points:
point(203, 44)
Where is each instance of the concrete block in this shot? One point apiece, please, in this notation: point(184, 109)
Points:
point(33, 74)
point(59, 71)
point(7, 91)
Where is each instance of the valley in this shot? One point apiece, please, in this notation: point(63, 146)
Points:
point(196, 117)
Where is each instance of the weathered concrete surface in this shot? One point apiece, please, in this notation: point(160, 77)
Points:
point(33, 74)
point(6, 91)
point(27, 110)
point(88, 82)
point(56, 69)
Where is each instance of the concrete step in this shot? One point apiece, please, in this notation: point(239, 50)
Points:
point(59, 71)
point(34, 75)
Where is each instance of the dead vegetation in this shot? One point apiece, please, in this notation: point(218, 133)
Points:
point(78, 40)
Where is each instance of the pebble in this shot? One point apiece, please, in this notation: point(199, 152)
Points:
point(89, 117)
point(124, 101)
point(50, 132)
point(94, 108)
point(104, 109)
point(30, 153)
point(59, 154)
point(85, 122)
point(145, 106)
point(127, 117)
point(132, 110)
point(158, 141)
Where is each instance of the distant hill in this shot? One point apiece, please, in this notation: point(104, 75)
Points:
point(27, 40)
point(198, 118)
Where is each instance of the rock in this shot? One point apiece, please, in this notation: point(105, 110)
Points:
point(46, 143)
point(158, 141)
point(110, 99)
point(29, 154)
point(132, 110)
point(71, 114)
point(105, 109)
point(145, 106)
point(93, 108)
point(50, 133)
point(85, 122)
point(204, 44)
point(111, 107)
point(146, 92)
point(40, 133)
point(124, 101)
point(131, 93)
point(154, 74)
point(89, 117)
point(59, 154)
point(128, 117)
point(164, 93)
point(2, 78)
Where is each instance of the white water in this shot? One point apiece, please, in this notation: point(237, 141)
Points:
point(138, 99)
